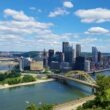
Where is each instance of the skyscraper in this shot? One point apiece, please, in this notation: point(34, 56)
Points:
point(64, 46)
point(78, 50)
point(60, 57)
point(68, 52)
point(45, 58)
point(50, 56)
point(80, 63)
point(100, 57)
point(94, 55)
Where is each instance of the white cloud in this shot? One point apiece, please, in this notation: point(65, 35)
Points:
point(17, 15)
point(88, 40)
point(68, 4)
point(32, 8)
point(97, 15)
point(35, 9)
point(39, 10)
point(18, 30)
point(28, 34)
point(97, 30)
point(58, 12)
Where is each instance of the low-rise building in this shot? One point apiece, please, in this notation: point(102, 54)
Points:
point(24, 63)
point(36, 65)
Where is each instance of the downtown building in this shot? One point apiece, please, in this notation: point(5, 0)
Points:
point(78, 50)
point(24, 63)
point(69, 56)
point(80, 63)
point(94, 55)
point(70, 59)
point(68, 52)
point(45, 59)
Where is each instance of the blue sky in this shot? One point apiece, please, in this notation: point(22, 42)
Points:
point(27, 25)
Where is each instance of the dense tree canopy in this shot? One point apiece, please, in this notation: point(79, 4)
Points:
point(28, 78)
point(42, 107)
point(102, 100)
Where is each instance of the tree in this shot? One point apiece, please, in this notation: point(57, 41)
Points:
point(42, 107)
point(46, 107)
point(102, 100)
point(31, 107)
point(103, 91)
point(28, 78)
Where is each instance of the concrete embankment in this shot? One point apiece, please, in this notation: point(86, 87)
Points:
point(72, 105)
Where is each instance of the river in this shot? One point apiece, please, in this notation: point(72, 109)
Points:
point(106, 73)
point(50, 93)
point(6, 67)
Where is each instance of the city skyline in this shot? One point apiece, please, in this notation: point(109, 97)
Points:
point(35, 25)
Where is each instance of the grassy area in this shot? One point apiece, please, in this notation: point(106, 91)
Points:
point(15, 78)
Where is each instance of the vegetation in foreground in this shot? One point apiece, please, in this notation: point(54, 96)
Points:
point(42, 107)
point(15, 78)
point(102, 100)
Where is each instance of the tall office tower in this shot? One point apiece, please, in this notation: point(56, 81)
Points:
point(59, 57)
point(64, 46)
point(50, 56)
point(45, 59)
point(78, 50)
point(80, 63)
point(100, 57)
point(68, 52)
point(74, 55)
point(94, 55)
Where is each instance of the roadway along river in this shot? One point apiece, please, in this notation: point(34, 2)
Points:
point(49, 92)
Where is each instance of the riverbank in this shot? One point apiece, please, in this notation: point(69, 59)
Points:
point(98, 71)
point(25, 84)
point(73, 104)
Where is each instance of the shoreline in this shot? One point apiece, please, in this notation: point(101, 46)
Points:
point(98, 71)
point(72, 105)
point(6, 86)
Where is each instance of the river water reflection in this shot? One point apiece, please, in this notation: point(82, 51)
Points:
point(50, 92)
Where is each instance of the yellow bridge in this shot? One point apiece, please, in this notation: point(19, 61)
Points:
point(77, 76)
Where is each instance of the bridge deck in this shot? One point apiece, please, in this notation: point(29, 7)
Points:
point(73, 79)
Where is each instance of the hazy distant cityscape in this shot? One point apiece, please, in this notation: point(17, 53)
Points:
point(66, 60)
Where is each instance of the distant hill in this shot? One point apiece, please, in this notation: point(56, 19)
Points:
point(33, 54)
point(88, 54)
point(38, 54)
